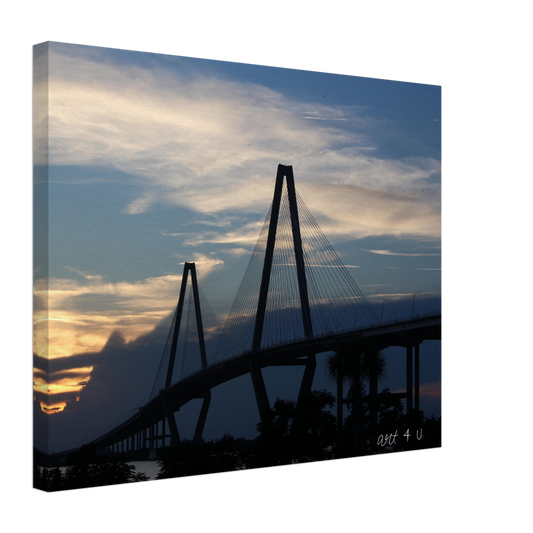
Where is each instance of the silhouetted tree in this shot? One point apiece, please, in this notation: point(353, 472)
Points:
point(313, 432)
point(190, 459)
point(295, 433)
point(413, 423)
point(390, 419)
point(88, 469)
point(415, 431)
point(272, 447)
point(433, 433)
point(54, 479)
point(358, 363)
point(38, 471)
point(390, 412)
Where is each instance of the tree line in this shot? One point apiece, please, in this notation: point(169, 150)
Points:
point(290, 432)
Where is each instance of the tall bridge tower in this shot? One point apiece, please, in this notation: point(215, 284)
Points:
point(284, 172)
point(174, 434)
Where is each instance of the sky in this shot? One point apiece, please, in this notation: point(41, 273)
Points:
point(155, 160)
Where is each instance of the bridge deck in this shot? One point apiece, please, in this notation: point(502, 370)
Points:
point(403, 333)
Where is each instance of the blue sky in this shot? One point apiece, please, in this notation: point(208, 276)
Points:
point(156, 160)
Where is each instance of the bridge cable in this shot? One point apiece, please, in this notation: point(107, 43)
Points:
point(156, 387)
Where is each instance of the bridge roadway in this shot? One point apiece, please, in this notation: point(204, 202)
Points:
point(406, 333)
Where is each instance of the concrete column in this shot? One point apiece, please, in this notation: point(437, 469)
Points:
point(172, 426)
point(417, 377)
point(409, 370)
point(307, 379)
point(202, 418)
point(373, 403)
point(340, 403)
point(258, 383)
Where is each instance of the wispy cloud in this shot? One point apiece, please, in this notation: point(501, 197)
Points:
point(239, 252)
point(205, 264)
point(172, 234)
point(213, 145)
point(83, 313)
point(245, 234)
point(399, 295)
point(324, 118)
point(388, 252)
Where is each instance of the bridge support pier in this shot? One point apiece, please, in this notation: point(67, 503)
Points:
point(417, 377)
point(413, 385)
point(409, 354)
point(307, 380)
point(373, 404)
point(258, 382)
point(172, 426)
point(340, 402)
point(201, 419)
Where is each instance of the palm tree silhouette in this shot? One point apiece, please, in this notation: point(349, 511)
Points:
point(358, 362)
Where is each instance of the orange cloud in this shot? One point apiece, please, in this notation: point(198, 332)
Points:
point(64, 327)
point(62, 382)
point(54, 408)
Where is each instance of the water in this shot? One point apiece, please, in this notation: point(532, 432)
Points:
point(149, 468)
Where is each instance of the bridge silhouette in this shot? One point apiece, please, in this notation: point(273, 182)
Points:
point(296, 300)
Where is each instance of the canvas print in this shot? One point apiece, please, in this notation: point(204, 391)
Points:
point(235, 266)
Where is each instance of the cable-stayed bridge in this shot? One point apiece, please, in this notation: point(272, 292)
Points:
point(296, 300)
